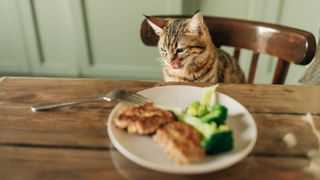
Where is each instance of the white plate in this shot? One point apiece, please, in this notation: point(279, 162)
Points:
point(143, 151)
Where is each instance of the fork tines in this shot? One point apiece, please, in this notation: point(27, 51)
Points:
point(133, 97)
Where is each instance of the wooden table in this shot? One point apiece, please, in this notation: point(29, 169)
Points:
point(72, 142)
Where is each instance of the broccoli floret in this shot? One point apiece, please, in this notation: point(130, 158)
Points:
point(197, 109)
point(202, 111)
point(217, 115)
point(220, 141)
point(204, 128)
point(193, 108)
point(215, 139)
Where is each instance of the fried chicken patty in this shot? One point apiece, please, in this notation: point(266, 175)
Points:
point(180, 142)
point(143, 119)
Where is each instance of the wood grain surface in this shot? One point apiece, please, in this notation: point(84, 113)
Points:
point(72, 142)
point(51, 163)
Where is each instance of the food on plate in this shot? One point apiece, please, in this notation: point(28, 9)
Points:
point(180, 142)
point(209, 120)
point(217, 113)
point(143, 119)
point(216, 139)
point(219, 141)
point(184, 135)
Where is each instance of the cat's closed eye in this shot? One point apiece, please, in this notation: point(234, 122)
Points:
point(181, 50)
point(163, 50)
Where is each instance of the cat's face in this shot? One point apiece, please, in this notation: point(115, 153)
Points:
point(181, 40)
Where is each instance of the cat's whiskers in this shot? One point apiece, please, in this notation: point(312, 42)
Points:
point(163, 62)
point(159, 60)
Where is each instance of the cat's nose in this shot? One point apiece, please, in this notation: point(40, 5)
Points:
point(171, 58)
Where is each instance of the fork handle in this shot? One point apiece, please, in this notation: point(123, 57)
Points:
point(47, 106)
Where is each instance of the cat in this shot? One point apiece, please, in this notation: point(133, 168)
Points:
point(189, 54)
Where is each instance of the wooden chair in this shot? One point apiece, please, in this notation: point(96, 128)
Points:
point(288, 44)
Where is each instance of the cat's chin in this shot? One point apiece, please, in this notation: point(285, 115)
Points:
point(177, 68)
point(177, 71)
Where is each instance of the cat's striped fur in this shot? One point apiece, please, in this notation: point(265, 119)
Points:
point(189, 54)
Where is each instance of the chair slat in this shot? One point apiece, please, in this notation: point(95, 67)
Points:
point(281, 71)
point(236, 53)
point(253, 67)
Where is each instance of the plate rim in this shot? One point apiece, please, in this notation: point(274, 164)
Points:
point(183, 170)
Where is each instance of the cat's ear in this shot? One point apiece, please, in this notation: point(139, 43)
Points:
point(156, 23)
point(195, 23)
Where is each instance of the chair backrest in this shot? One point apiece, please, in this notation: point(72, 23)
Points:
point(289, 45)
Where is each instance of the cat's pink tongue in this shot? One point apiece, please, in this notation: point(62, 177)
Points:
point(176, 64)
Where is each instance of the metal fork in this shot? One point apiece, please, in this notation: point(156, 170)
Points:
point(112, 95)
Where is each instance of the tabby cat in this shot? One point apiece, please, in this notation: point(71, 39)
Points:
point(189, 54)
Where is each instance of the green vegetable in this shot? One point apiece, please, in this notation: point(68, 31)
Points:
point(202, 110)
point(193, 108)
point(197, 109)
point(207, 94)
point(215, 139)
point(217, 115)
point(204, 128)
point(221, 141)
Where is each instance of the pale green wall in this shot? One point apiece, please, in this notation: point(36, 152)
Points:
point(100, 38)
point(225, 8)
point(79, 38)
point(12, 49)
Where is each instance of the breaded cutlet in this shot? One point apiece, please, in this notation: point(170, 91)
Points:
point(143, 119)
point(180, 142)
